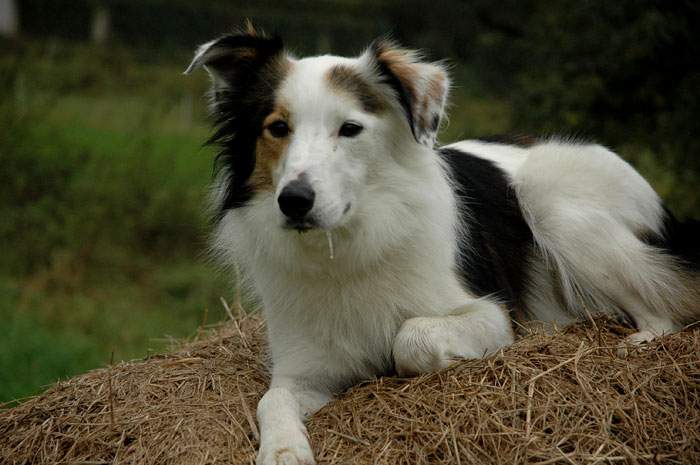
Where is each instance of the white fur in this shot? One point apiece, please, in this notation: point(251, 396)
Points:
point(586, 208)
point(507, 157)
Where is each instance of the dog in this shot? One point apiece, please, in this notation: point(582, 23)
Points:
point(375, 251)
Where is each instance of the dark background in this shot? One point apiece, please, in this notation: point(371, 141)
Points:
point(103, 174)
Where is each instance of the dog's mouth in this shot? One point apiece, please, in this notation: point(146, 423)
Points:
point(300, 225)
point(310, 221)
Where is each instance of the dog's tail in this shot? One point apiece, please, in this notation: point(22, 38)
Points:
point(682, 241)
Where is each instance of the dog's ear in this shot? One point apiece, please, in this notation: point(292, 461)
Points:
point(420, 87)
point(234, 60)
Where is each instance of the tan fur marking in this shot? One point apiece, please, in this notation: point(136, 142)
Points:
point(436, 88)
point(268, 152)
point(249, 28)
point(401, 62)
point(347, 80)
point(280, 113)
point(425, 84)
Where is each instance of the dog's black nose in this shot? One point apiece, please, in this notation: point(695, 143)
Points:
point(296, 199)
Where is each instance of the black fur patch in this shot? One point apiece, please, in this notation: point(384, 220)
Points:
point(500, 244)
point(680, 239)
point(252, 68)
point(435, 123)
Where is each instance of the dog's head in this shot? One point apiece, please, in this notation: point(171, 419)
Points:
point(311, 134)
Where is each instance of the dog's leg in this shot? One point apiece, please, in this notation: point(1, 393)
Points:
point(425, 344)
point(281, 415)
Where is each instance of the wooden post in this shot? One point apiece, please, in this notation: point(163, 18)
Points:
point(9, 21)
point(101, 24)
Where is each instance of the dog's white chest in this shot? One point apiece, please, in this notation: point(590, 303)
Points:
point(338, 331)
point(343, 329)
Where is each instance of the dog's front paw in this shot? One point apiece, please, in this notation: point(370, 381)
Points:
point(427, 344)
point(286, 453)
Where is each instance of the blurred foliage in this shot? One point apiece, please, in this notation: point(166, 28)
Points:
point(623, 73)
point(102, 217)
point(87, 163)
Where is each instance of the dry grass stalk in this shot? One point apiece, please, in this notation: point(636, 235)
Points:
point(565, 398)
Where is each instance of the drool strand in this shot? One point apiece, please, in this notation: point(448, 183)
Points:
point(330, 245)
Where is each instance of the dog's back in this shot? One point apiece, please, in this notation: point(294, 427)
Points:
point(558, 229)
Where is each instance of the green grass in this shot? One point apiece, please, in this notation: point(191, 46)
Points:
point(52, 332)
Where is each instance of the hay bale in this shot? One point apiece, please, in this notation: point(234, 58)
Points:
point(548, 399)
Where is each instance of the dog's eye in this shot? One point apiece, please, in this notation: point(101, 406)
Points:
point(350, 129)
point(278, 129)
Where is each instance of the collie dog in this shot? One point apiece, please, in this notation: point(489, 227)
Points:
point(376, 251)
